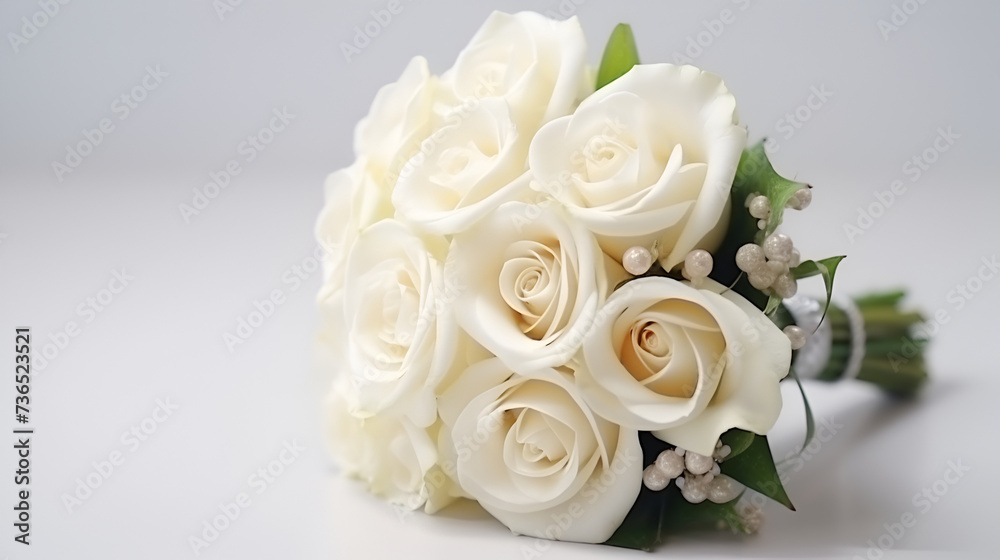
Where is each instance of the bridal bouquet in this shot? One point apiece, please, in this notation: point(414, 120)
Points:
point(562, 292)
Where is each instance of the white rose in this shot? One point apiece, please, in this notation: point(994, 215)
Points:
point(400, 118)
point(685, 363)
point(532, 453)
point(648, 158)
point(401, 337)
point(532, 279)
point(536, 64)
point(390, 454)
point(354, 200)
point(466, 168)
point(518, 72)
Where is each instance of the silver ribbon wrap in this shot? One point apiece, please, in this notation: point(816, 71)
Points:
point(811, 359)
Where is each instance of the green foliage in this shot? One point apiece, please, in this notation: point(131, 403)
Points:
point(754, 176)
point(810, 419)
point(826, 267)
point(620, 55)
point(738, 441)
point(755, 469)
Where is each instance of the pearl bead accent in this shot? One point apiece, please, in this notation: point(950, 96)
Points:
point(752, 518)
point(800, 199)
point(723, 489)
point(698, 264)
point(749, 256)
point(721, 452)
point(670, 464)
point(778, 247)
point(762, 276)
point(760, 207)
point(695, 488)
point(698, 464)
point(796, 336)
point(785, 286)
point(637, 260)
point(698, 476)
point(654, 479)
point(767, 266)
point(796, 259)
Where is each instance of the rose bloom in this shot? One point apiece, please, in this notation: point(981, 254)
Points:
point(533, 279)
point(401, 339)
point(686, 364)
point(534, 455)
point(647, 159)
point(518, 72)
point(393, 457)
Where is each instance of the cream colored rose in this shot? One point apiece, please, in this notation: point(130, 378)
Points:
point(400, 118)
point(391, 455)
point(536, 64)
point(532, 453)
point(401, 338)
point(518, 72)
point(532, 281)
point(648, 158)
point(685, 363)
point(354, 200)
point(466, 168)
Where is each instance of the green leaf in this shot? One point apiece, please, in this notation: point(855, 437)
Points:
point(620, 55)
point(755, 469)
point(738, 441)
point(810, 419)
point(754, 175)
point(827, 268)
point(656, 516)
point(773, 303)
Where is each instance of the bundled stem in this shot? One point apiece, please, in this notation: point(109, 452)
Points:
point(894, 349)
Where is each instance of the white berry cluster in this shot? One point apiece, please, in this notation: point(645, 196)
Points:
point(768, 265)
point(698, 476)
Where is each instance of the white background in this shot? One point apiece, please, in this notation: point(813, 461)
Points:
point(162, 336)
